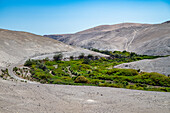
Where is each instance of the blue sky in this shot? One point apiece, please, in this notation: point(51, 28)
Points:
point(70, 16)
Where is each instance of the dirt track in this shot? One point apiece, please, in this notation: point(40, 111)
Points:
point(18, 97)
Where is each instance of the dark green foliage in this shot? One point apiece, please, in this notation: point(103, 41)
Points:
point(81, 56)
point(71, 57)
point(125, 56)
point(153, 78)
point(58, 57)
point(86, 61)
point(5, 74)
point(15, 69)
point(28, 63)
point(91, 57)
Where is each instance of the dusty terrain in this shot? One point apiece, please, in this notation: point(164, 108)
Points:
point(18, 97)
point(139, 38)
point(16, 46)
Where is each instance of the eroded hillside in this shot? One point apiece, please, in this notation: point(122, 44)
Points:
point(139, 38)
point(16, 46)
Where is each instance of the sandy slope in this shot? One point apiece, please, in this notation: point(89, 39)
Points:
point(18, 97)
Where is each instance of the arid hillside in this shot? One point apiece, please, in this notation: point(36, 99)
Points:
point(139, 38)
point(16, 46)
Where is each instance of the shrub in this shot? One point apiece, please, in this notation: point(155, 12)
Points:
point(95, 81)
point(140, 88)
point(131, 86)
point(42, 81)
point(103, 59)
point(81, 56)
point(66, 78)
point(81, 79)
point(125, 83)
point(124, 72)
point(57, 81)
point(86, 61)
point(71, 57)
point(155, 79)
point(58, 57)
point(128, 72)
point(15, 69)
point(28, 63)
point(90, 57)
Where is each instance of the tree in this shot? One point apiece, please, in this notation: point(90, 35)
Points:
point(81, 56)
point(71, 57)
point(58, 57)
point(90, 57)
point(28, 63)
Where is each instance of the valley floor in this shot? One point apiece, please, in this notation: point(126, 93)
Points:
point(20, 97)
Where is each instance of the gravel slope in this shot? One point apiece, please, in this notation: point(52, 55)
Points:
point(18, 97)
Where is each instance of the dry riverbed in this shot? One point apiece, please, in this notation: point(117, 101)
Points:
point(20, 97)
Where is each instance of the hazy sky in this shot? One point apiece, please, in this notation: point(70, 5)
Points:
point(69, 16)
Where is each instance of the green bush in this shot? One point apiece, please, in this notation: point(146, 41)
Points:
point(153, 79)
point(29, 62)
point(81, 79)
point(95, 81)
point(15, 69)
point(81, 56)
point(124, 72)
point(58, 57)
point(128, 72)
point(86, 61)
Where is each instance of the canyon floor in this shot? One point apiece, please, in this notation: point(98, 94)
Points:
point(20, 97)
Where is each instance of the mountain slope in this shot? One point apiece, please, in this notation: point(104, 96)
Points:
point(16, 46)
point(139, 38)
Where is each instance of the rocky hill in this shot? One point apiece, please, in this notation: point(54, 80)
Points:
point(16, 46)
point(139, 38)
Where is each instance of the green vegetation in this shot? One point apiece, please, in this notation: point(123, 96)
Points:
point(23, 72)
point(58, 57)
point(92, 70)
point(5, 74)
point(125, 56)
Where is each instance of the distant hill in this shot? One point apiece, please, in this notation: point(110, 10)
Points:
point(145, 39)
point(16, 46)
